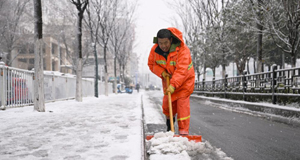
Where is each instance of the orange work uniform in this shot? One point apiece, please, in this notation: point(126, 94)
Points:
point(179, 65)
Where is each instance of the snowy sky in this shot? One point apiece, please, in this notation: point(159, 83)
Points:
point(152, 15)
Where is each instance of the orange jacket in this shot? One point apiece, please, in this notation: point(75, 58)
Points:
point(179, 64)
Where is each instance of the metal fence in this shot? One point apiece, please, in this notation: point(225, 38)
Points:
point(274, 83)
point(17, 87)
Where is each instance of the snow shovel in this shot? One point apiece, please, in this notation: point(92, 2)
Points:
point(196, 138)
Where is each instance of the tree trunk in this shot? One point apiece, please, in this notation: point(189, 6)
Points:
point(96, 70)
point(223, 71)
point(115, 74)
point(81, 6)
point(259, 38)
point(248, 68)
point(198, 75)
point(293, 59)
point(204, 68)
point(105, 70)
point(79, 61)
point(39, 98)
point(120, 72)
point(79, 81)
point(89, 23)
point(204, 72)
point(283, 61)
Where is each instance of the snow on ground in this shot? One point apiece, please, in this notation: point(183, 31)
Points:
point(107, 128)
point(164, 146)
point(153, 114)
point(97, 128)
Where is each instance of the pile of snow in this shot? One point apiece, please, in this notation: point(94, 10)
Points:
point(164, 146)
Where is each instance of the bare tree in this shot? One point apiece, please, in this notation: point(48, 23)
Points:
point(10, 20)
point(93, 26)
point(211, 32)
point(126, 54)
point(107, 17)
point(258, 9)
point(283, 23)
point(122, 28)
point(193, 25)
point(81, 6)
point(39, 99)
point(241, 41)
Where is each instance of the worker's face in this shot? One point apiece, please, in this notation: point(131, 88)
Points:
point(164, 44)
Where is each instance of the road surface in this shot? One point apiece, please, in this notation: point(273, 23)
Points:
point(243, 136)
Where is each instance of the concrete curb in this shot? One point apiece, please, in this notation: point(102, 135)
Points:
point(288, 115)
point(143, 145)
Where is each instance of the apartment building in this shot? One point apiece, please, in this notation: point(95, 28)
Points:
point(55, 56)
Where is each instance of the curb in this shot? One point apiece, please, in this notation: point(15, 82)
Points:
point(143, 144)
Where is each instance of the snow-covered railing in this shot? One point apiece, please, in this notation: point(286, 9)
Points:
point(16, 86)
point(274, 83)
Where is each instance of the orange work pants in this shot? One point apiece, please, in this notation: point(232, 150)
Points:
point(181, 107)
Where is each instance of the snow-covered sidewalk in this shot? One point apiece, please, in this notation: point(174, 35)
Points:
point(97, 128)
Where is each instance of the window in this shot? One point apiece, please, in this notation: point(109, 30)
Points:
point(44, 48)
point(24, 60)
point(53, 66)
point(61, 55)
point(31, 60)
point(54, 48)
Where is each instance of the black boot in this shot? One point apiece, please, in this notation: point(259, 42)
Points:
point(169, 125)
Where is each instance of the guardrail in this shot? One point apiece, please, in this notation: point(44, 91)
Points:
point(17, 87)
point(275, 83)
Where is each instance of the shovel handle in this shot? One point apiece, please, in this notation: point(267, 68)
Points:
point(170, 106)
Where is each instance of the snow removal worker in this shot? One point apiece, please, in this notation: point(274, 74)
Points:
point(170, 57)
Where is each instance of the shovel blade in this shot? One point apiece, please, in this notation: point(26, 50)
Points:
point(195, 138)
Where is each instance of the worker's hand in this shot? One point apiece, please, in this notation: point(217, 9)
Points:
point(170, 89)
point(165, 74)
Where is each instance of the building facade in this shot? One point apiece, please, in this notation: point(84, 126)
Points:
point(55, 56)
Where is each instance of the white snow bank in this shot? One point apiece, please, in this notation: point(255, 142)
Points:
point(164, 146)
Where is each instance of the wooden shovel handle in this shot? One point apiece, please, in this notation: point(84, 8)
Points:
point(170, 106)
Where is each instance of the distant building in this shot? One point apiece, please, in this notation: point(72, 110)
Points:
point(55, 56)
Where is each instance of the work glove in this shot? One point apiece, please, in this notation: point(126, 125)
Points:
point(170, 89)
point(165, 74)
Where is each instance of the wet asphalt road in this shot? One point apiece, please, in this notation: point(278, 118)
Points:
point(242, 136)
